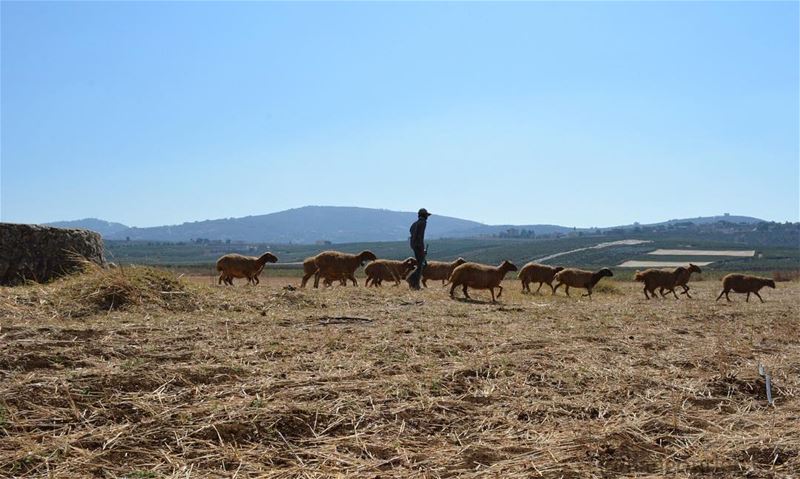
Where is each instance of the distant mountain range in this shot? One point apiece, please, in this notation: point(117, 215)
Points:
point(336, 224)
point(105, 228)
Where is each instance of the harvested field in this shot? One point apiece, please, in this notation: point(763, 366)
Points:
point(634, 263)
point(703, 252)
point(270, 382)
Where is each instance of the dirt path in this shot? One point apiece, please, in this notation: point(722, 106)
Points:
point(609, 244)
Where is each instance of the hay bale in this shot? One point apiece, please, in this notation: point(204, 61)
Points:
point(41, 253)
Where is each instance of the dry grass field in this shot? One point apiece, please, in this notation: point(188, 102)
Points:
point(135, 374)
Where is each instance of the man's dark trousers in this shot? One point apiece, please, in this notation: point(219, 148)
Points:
point(415, 277)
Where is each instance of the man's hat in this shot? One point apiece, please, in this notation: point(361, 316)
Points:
point(423, 212)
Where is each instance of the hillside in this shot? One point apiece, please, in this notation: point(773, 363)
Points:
point(105, 228)
point(308, 224)
point(312, 224)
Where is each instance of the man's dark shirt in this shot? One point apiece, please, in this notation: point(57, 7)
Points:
point(418, 234)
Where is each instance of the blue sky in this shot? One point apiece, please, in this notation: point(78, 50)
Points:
point(584, 114)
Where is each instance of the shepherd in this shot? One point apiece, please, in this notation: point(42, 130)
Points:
point(417, 241)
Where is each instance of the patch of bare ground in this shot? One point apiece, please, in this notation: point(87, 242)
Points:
point(270, 382)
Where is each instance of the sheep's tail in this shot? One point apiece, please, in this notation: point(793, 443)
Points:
point(638, 276)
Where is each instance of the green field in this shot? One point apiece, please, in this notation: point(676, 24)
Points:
point(201, 257)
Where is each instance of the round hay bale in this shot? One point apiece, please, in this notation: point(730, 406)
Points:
point(41, 253)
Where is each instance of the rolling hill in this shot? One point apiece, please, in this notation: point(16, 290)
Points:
point(311, 224)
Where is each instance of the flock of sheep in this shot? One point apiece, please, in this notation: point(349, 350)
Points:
point(333, 266)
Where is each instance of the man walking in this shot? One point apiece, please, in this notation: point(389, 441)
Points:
point(418, 247)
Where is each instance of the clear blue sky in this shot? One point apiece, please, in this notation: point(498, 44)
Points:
point(585, 114)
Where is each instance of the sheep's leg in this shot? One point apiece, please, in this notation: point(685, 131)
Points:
point(747, 299)
point(720, 295)
point(452, 289)
point(588, 293)
point(221, 276)
point(352, 278)
point(661, 291)
point(466, 295)
point(759, 296)
point(306, 277)
point(316, 279)
point(255, 278)
point(726, 295)
point(551, 287)
point(567, 289)
point(540, 286)
point(673, 293)
point(491, 290)
point(499, 293)
point(425, 282)
point(645, 292)
point(554, 289)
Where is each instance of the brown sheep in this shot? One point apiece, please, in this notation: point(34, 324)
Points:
point(683, 278)
point(237, 266)
point(537, 273)
point(439, 270)
point(310, 268)
point(742, 283)
point(578, 278)
point(480, 276)
point(659, 278)
point(341, 278)
point(334, 265)
point(388, 270)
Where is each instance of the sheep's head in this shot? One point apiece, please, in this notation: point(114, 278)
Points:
point(365, 256)
point(693, 268)
point(559, 268)
point(508, 266)
point(268, 258)
point(407, 266)
point(458, 262)
point(605, 272)
point(770, 283)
